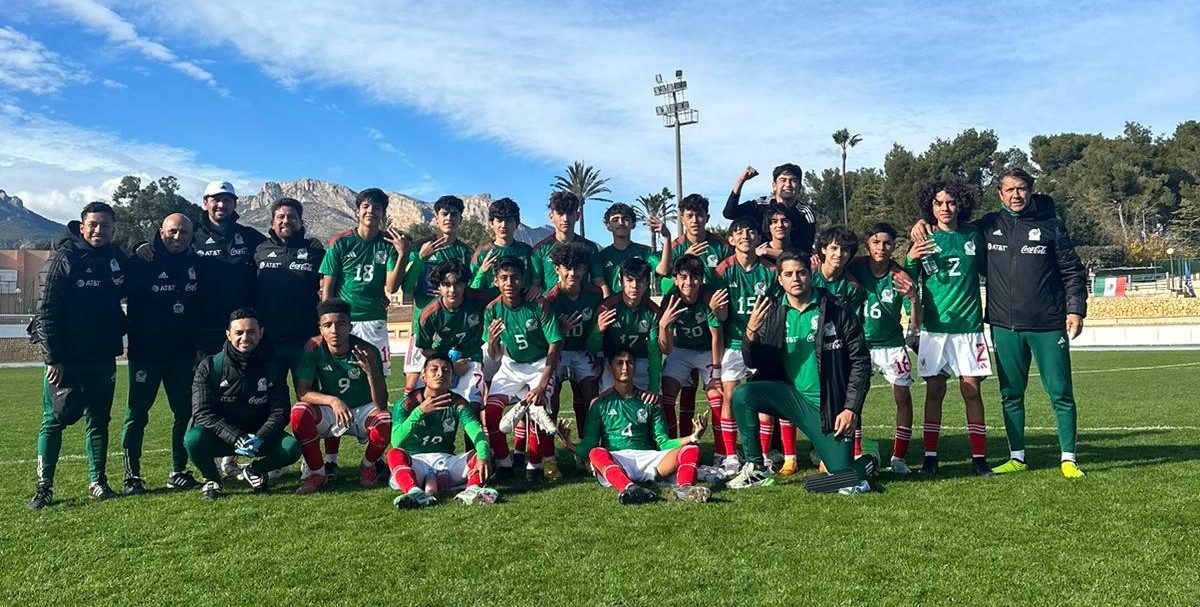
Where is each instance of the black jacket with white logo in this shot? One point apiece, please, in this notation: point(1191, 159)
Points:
point(1034, 276)
point(225, 264)
point(162, 306)
point(234, 395)
point(289, 280)
point(79, 317)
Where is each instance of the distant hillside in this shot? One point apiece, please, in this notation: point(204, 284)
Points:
point(22, 228)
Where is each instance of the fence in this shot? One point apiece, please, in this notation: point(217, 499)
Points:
point(1175, 275)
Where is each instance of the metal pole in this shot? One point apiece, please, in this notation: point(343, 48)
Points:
point(678, 167)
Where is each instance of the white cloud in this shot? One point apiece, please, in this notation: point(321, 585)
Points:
point(96, 16)
point(26, 65)
point(56, 167)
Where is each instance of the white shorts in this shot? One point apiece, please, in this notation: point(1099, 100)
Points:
point(577, 366)
point(375, 332)
point(956, 354)
point(641, 376)
point(681, 362)
point(733, 366)
point(468, 386)
point(490, 365)
point(640, 465)
point(894, 364)
point(514, 379)
point(358, 426)
point(425, 465)
point(414, 357)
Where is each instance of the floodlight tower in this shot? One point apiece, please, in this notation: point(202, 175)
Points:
point(676, 113)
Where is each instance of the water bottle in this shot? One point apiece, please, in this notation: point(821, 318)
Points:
point(928, 263)
point(454, 355)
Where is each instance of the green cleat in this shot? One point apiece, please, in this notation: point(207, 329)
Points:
point(1071, 470)
point(1012, 465)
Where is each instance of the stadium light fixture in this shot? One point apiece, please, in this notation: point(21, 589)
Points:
point(676, 112)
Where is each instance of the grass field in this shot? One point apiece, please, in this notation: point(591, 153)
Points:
point(1124, 535)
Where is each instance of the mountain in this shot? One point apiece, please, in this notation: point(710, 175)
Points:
point(22, 228)
point(329, 208)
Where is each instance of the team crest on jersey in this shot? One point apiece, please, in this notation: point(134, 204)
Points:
point(712, 260)
point(643, 416)
point(140, 376)
point(586, 314)
point(448, 424)
point(116, 267)
point(815, 322)
point(699, 315)
point(531, 324)
point(262, 384)
point(1035, 234)
point(302, 254)
point(969, 247)
point(237, 239)
point(887, 296)
point(472, 320)
point(177, 308)
point(643, 325)
point(192, 273)
point(354, 373)
point(760, 288)
point(829, 329)
point(380, 257)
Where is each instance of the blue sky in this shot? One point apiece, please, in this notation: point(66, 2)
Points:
point(434, 98)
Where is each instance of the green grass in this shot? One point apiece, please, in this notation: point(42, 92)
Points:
point(1124, 535)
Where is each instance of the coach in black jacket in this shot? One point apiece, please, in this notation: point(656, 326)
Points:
point(785, 195)
point(225, 252)
point(289, 281)
point(79, 325)
point(240, 406)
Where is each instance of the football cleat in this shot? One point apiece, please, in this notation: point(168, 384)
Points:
point(229, 466)
point(690, 493)
point(1011, 466)
point(929, 467)
point(512, 416)
point(475, 494)
point(861, 487)
point(312, 483)
point(541, 418)
point(415, 498)
point(100, 491)
point(751, 475)
point(182, 480)
point(533, 475)
point(775, 457)
point(636, 494)
point(550, 470)
point(899, 466)
point(731, 466)
point(277, 473)
point(133, 486)
point(709, 474)
point(258, 482)
point(210, 491)
point(331, 469)
point(789, 467)
point(870, 463)
point(980, 467)
point(43, 496)
point(1071, 470)
point(368, 475)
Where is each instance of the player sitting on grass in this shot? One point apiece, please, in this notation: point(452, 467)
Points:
point(427, 421)
point(950, 262)
point(697, 335)
point(523, 335)
point(818, 345)
point(574, 303)
point(625, 440)
point(341, 390)
point(240, 406)
point(631, 321)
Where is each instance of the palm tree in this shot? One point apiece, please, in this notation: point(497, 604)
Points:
point(843, 138)
point(658, 206)
point(584, 182)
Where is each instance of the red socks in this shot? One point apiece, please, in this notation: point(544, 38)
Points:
point(900, 444)
point(493, 410)
point(304, 426)
point(379, 434)
point(932, 431)
point(603, 463)
point(401, 469)
point(687, 458)
point(787, 433)
point(977, 434)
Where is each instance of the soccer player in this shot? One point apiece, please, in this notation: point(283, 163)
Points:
point(575, 303)
point(162, 310)
point(523, 335)
point(79, 325)
point(786, 194)
point(698, 341)
point(289, 282)
point(950, 262)
point(631, 320)
point(341, 390)
point(454, 321)
point(240, 406)
point(564, 214)
point(504, 216)
point(361, 268)
point(887, 287)
point(620, 219)
point(826, 371)
point(747, 279)
point(777, 229)
point(626, 440)
point(422, 257)
point(427, 420)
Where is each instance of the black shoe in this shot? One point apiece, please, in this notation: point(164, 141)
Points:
point(182, 480)
point(100, 491)
point(210, 491)
point(636, 494)
point(533, 475)
point(870, 463)
point(381, 472)
point(43, 496)
point(258, 482)
point(980, 467)
point(134, 486)
point(930, 466)
point(503, 473)
point(518, 461)
point(331, 470)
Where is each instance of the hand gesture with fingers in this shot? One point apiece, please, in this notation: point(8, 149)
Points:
point(570, 321)
point(657, 226)
point(671, 313)
point(441, 402)
point(399, 241)
point(488, 260)
point(762, 307)
point(606, 318)
point(495, 330)
point(564, 433)
point(433, 245)
point(698, 249)
point(699, 424)
point(364, 357)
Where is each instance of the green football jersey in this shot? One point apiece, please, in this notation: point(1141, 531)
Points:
point(611, 258)
point(634, 328)
point(799, 346)
point(443, 329)
point(543, 269)
point(528, 329)
point(881, 310)
point(845, 288)
point(950, 300)
point(745, 287)
point(616, 423)
point(435, 432)
point(417, 282)
point(359, 269)
point(486, 280)
point(692, 329)
point(337, 376)
point(718, 250)
point(575, 340)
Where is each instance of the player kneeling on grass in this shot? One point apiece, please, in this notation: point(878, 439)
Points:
point(625, 440)
point(341, 389)
point(240, 406)
point(427, 421)
point(820, 347)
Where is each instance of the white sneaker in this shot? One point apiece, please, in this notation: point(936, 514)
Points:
point(899, 466)
point(540, 416)
point(477, 495)
point(861, 487)
point(731, 466)
point(750, 476)
point(512, 416)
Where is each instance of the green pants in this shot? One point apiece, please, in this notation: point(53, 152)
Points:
point(204, 446)
point(1052, 351)
point(289, 355)
point(96, 380)
point(780, 399)
point(144, 379)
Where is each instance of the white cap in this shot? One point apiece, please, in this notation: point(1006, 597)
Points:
point(219, 187)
